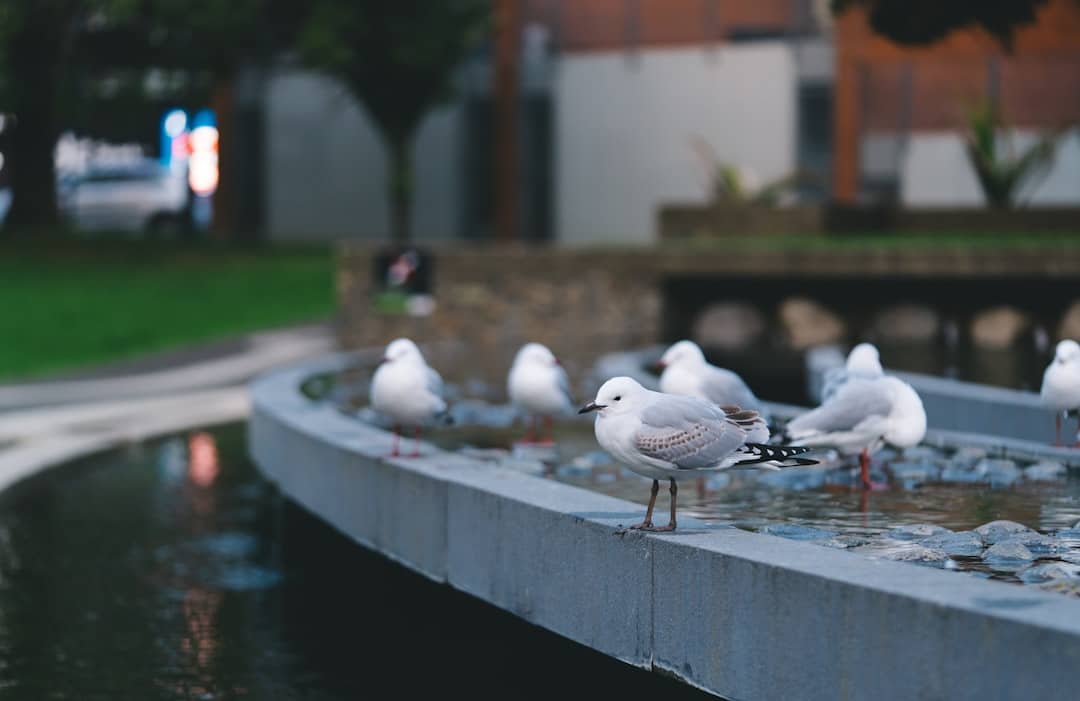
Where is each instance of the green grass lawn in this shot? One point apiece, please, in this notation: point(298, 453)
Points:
point(66, 305)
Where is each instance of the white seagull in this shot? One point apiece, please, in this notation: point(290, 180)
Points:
point(665, 436)
point(861, 416)
point(863, 363)
point(686, 372)
point(538, 386)
point(406, 390)
point(1061, 385)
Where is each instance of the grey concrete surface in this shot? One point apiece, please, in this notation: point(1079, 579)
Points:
point(742, 615)
point(968, 407)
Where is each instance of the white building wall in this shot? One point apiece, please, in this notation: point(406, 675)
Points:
point(325, 166)
point(935, 172)
point(624, 125)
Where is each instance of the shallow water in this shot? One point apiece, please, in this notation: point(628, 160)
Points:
point(956, 490)
point(172, 570)
point(793, 502)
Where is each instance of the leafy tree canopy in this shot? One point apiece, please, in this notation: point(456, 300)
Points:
point(925, 21)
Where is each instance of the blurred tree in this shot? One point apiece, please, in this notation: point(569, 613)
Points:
point(398, 58)
point(926, 21)
point(68, 63)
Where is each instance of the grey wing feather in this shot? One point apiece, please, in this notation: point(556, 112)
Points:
point(853, 402)
point(725, 387)
point(434, 382)
point(688, 433)
point(835, 378)
point(564, 386)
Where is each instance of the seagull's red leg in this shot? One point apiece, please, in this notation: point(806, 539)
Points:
point(416, 443)
point(646, 525)
point(1057, 429)
point(397, 440)
point(549, 425)
point(864, 468)
point(530, 435)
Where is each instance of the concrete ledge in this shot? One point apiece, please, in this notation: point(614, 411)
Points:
point(952, 405)
point(44, 438)
point(742, 615)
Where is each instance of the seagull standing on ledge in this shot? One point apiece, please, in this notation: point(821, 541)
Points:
point(686, 372)
point(1061, 386)
point(406, 390)
point(863, 363)
point(664, 436)
point(538, 386)
point(861, 416)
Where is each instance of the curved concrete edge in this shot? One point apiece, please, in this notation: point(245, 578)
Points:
point(742, 615)
point(47, 440)
point(264, 350)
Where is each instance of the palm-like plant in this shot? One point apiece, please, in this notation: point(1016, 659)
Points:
point(730, 184)
point(1001, 172)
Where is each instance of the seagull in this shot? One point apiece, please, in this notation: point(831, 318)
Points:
point(538, 386)
point(863, 362)
point(666, 436)
point(686, 372)
point(1061, 385)
point(861, 416)
point(406, 390)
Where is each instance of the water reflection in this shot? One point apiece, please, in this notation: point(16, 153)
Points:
point(173, 571)
point(203, 464)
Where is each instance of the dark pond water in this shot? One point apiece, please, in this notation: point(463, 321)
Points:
point(171, 570)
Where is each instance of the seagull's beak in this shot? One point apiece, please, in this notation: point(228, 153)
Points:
point(591, 406)
point(557, 361)
point(659, 365)
point(382, 360)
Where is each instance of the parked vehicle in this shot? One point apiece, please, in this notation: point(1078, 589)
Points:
point(143, 197)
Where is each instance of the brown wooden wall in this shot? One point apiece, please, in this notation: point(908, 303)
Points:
point(591, 25)
point(885, 86)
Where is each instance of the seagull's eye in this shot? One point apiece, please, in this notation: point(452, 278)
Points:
point(618, 398)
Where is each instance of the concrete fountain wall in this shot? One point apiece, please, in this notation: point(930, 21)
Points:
point(742, 615)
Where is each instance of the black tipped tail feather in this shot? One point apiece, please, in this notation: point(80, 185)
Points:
point(782, 456)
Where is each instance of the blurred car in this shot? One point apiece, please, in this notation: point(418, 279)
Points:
point(143, 198)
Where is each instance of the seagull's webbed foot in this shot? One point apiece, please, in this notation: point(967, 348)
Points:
point(665, 529)
point(643, 526)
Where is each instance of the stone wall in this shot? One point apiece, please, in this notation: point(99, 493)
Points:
point(587, 302)
point(493, 300)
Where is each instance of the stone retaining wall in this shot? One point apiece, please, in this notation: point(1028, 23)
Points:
point(587, 302)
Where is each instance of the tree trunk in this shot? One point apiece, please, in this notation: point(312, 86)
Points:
point(400, 188)
point(507, 116)
point(34, 60)
point(223, 225)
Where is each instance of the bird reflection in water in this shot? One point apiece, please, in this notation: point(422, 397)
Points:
point(203, 465)
point(199, 642)
point(201, 605)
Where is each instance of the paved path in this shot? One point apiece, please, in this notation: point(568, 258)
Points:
point(47, 423)
point(189, 370)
